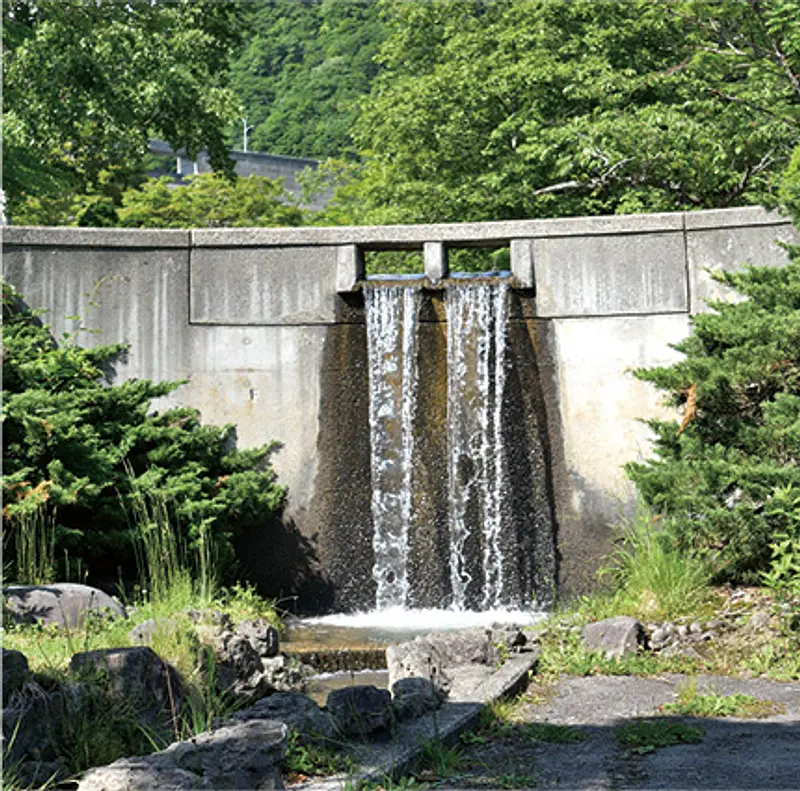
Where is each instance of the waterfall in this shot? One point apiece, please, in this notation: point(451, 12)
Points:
point(391, 315)
point(477, 326)
point(483, 544)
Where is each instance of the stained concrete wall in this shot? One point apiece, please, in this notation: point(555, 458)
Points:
point(267, 326)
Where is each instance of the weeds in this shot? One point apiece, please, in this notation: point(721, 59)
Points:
point(314, 759)
point(33, 529)
point(693, 703)
point(646, 736)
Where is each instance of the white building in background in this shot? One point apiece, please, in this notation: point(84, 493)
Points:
point(177, 164)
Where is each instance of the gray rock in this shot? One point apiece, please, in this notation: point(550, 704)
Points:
point(263, 636)
point(758, 620)
point(64, 604)
point(299, 712)
point(417, 659)
point(361, 710)
point(285, 674)
point(413, 697)
point(683, 631)
point(615, 637)
point(695, 628)
point(15, 672)
point(658, 637)
point(136, 675)
point(245, 755)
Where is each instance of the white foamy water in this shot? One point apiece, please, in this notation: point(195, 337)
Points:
point(397, 619)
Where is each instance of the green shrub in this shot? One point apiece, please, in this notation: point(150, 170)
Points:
point(91, 451)
point(725, 473)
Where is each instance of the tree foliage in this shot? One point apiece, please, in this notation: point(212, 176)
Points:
point(729, 474)
point(81, 445)
point(86, 83)
point(533, 108)
point(207, 200)
point(303, 69)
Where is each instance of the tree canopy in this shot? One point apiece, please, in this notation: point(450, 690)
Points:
point(88, 82)
point(533, 108)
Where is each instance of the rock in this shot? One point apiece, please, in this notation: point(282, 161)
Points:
point(285, 674)
point(714, 625)
point(263, 636)
point(298, 711)
point(64, 604)
point(413, 697)
point(683, 631)
point(245, 755)
point(658, 637)
point(695, 628)
point(136, 675)
point(616, 637)
point(430, 656)
point(361, 710)
point(758, 620)
point(15, 673)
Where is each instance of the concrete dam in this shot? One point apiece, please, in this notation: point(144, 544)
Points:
point(446, 441)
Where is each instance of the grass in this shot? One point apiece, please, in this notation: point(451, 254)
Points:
point(646, 736)
point(306, 759)
point(692, 703)
point(653, 578)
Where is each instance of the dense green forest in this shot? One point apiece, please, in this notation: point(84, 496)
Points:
point(443, 110)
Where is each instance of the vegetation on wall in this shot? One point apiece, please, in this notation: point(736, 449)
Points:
point(88, 451)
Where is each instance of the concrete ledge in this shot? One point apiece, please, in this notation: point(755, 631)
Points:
point(413, 237)
point(30, 236)
point(397, 756)
point(726, 218)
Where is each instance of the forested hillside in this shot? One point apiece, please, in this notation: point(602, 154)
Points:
point(302, 71)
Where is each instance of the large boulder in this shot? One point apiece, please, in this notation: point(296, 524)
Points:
point(15, 673)
point(138, 676)
point(361, 710)
point(64, 604)
point(615, 637)
point(245, 755)
point(300, 713)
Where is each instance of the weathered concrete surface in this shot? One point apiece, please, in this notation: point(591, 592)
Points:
point(281, 285)
point(391, 759)
point(596, 429)
point(755, 240)
point(610, 275)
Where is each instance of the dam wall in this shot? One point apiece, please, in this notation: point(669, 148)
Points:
point(268, 328)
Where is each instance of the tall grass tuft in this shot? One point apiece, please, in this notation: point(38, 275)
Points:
point(653, 578)
point(170, 575)
point(34, 536)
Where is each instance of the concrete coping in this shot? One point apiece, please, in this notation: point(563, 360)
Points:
point(388, 237)
point(42, 236)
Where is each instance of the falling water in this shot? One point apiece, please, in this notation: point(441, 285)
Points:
point(391, 315)
point(477, 325)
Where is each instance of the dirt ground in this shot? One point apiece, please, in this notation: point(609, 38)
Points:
point(733, 755)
